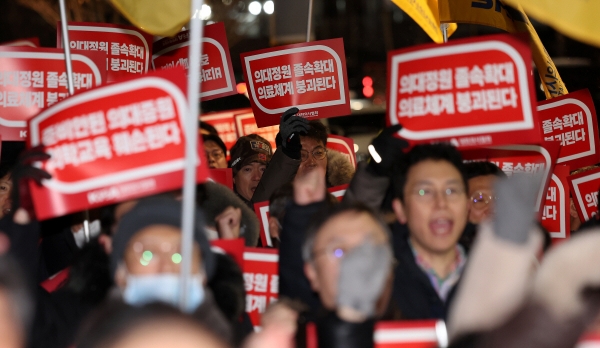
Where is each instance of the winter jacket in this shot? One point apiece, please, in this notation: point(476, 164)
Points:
point(412, 291)
point(339, 169)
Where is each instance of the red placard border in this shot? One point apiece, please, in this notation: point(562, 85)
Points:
point(470, 47)
point(563, 214)
point(575, 185)
point(130, 174)
point(340, 69)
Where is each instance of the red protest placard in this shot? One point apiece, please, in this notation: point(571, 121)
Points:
point(410, 334)
point(231, 247)
point(472, 92)
point(224, 123)
point(521, 159)
point(246, 124)
point(128, 48)
point(556, 217)
point(590, 339)
point(584, 189)
point(223, 176)
point(343, 145)
point(113, 143)
point(310, 76)
point(32, 79)
point(261, 210)
point(261, 280)
point(29, 42)
point(217, 78)
point(338, 191)
point(571, 119)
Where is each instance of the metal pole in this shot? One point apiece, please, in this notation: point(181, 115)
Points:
point(66, 47)
point(191, 151)
point(309, 25)
point(444, 27)
point(69, 66)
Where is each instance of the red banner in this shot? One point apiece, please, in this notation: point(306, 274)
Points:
point(571, 119)
point(246, 125)
point(343, 145)
point(32, 79)
point(231, 247)
point(584, 189)
point(261, 280)
point(113, 143)
point(29, 42)
point(310, 76)
point(472, 92)
point(521, 159)
point(216, 78)
point(128, 48)
point(556, 217)
point(224, 123)
point(223, 176)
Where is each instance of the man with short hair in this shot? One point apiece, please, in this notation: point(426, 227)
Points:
point(216, 151)
point(482, 176)
point(249, 158)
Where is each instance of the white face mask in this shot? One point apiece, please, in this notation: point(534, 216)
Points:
point(163, 287)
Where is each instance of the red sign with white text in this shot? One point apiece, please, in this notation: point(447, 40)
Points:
point(343, 145)
point(217, 78)
point(113, 143)
point(584, 189)
point(310, 76)
point(521, 159)
point(246, 125)
point(261, 280)
point(471, 92)
point(224, 123)
point(32, 79)
point(571, 119)
point(223, 176)
point(29, 42)
point(128, 48)
point(556, 217)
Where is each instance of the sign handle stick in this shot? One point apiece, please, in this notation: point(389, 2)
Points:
point(191, 152)
point(66, 47)
point(69, 67)
point(309, 24)
point(444, 28)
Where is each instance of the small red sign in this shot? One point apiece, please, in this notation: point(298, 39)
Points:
point(35, 78)
point(231, 247)
point(261, 280)
point(224, 123)
point(571, 119)
point(472, 92)
point(521, 159)
point(556, 217)
point(216, 77)
point(246, 125)
point(261, 210)
point(113, 143)
point(584, 189)
point(410, 334)
point(223, 176)
point(29, 42)
point(128, 48)
point(310, 76)
point(343, 145)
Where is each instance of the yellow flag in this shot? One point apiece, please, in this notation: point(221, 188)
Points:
point(433, 5)
point(156, 17)
point(495, 14)
point(575, 18)
point(426, 17)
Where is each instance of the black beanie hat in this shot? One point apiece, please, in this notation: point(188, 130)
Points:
point(158, 211)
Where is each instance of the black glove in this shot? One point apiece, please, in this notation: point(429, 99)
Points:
point(333, 332)
point(388, 149)
point(290, 127)
point(22, 172)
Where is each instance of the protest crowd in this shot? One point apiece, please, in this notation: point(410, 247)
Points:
point(473, 223)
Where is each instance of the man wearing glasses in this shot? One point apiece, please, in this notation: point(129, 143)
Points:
point(482, 176)
point(216, 152)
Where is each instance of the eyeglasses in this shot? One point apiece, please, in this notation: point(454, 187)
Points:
point(480, 200)
point(151, 252)
point(332, 251)
point(429, 195)
point(318, 153)
point(216, 154)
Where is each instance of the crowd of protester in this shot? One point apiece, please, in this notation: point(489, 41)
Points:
point(419, 234)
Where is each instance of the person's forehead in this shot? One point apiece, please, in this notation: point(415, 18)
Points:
point(482, 182)
point(210, 144)
point(166, 233)
point(308, 143)
point(350, 226)
point(433, 171)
